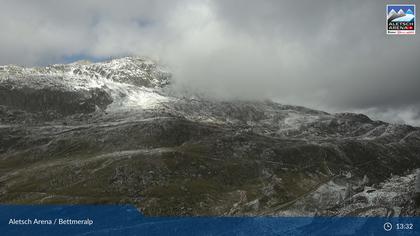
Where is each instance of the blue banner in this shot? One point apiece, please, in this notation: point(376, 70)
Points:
point(127, 220)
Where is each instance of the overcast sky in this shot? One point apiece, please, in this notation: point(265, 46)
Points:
point(331, 55)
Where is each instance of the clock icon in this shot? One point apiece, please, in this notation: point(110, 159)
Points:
point(387, 226)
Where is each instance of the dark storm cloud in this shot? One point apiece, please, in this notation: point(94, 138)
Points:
point(332, 55)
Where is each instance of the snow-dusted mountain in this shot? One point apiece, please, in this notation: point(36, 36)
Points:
point(115, 132)
point(123, 82)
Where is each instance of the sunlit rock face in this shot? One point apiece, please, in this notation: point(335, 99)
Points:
point(115, 132)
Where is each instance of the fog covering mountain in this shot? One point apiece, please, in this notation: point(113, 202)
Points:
point(115, 132)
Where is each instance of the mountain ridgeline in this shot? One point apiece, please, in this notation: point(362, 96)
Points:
point(113, 132)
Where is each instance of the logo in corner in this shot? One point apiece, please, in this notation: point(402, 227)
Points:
point(401, 18)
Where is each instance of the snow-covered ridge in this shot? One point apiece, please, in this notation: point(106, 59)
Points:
point(130, 81)
point(130, 70)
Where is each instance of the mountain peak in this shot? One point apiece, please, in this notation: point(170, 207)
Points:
point(134, 70)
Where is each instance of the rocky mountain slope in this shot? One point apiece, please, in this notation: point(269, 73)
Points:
point(113, 132)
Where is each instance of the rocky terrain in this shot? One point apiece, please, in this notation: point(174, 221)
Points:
point(114, 132)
